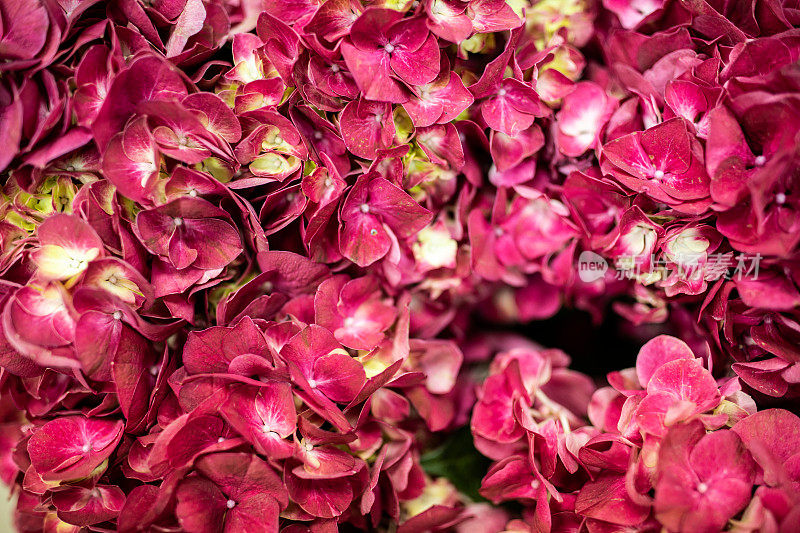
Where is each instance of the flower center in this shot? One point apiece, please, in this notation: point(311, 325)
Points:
point(364, 208)
point(334, 68)
point(86, 447)
point(658, 174)
point(702, 488)
point(230, 504)
point(760, 160)
point(178, 221)
point(389, 47)
point(780, 198)
point(117, 315)
point(502, 92)
point(312, 383)
point(76, 264)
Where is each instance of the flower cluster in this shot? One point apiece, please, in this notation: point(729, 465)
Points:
point(666, 446)
point(250, 250)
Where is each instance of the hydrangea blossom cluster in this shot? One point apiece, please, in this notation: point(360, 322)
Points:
point(666, 446)
point(256, 258)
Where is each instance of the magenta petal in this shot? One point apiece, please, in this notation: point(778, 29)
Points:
point(687, 380)
point(189, 22)
point(338, 376)
point(364, 240)
point(189, 231)
point(242, 476)
point(333, 19)
point(395, 207)
point(264, 416)
point(372, 73)
point(369, 30)
point(606, 498)
point(772, 435)
point(658, 351)
point(72, 447)
point(24, 29)
point(307, 346)
point(131, 161)
point(259, 512)
point(492, 15)
point(11, 119)
point(83, 507)
point(325, 498)
point(722, 455)
point(148, 78)
point(512, 109)
point(212, 243)
point(419, 66)
point(201, 506)
point(215, 115)
point(367, 127)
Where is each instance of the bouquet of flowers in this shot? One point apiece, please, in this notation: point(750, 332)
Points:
point(277, 265)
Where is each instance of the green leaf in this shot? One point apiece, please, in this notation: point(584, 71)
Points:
point(458, 460)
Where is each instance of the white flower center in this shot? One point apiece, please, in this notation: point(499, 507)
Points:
point(760, 160)
point(659, 174)
point(389, 47)
point(312, 383)
point(230, 504)
point(86, 447)
point(117, 315)
point(178, 221)
point(780, 198)
point(702, 488)
point(502, 92)
point(364, 208)
point(334, 68)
